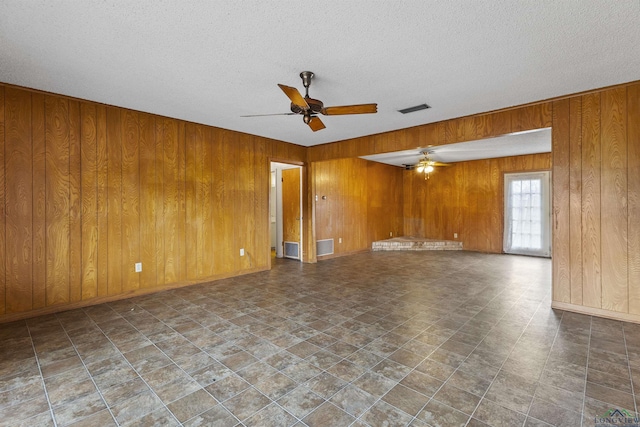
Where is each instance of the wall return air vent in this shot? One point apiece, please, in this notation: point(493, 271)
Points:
point(324, 247)
point(414, 109)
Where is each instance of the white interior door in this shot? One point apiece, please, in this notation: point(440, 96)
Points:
point(527, 225)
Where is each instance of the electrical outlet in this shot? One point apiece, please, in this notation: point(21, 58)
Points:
point(339, 239)
point(455, 235)
point(242, 252)
point(138, 267)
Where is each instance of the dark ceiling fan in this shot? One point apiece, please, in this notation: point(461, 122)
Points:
point(309, 108)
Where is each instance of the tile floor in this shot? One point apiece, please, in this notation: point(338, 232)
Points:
point(421, 339)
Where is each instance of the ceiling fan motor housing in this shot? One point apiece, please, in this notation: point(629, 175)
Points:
point(315, 106)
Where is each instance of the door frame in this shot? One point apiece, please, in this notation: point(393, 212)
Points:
point(278, 167)
point(547, 203)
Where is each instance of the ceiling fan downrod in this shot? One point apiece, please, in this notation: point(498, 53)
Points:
point(306, 81)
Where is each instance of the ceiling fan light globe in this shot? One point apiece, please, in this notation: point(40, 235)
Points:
point(420, 169)
point(428, 169)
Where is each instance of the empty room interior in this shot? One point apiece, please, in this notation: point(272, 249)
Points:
point(416, 213)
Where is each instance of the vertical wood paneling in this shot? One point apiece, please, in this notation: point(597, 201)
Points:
point(494, 124)
point(19, 225)
point(244, 203)
point(75, 205)
point(561, 249)
point(93, 189)
point(575, 198)
point(39, 198)
point(465, 199)
point(485, 192)
point(208, 206)
point(3, 237)
point(57, 199)
point(364, 203)
point(114, 201)
point(633, 160)
point(226, 187)
point(451, 131)
point(261, 176)
point(102, 163)
point(591, 234)
point(181, 243)
point(614, 200)
point(384, 201)
point(77, 237)
point(171, 201)
point(471, 208)
point(193, 177)
point(217, 199)
point(160, 201)
point(460, 203)
point(149, 193)
point(531, 117)
point(495, 215)
point(89, 202)
point(130, 200)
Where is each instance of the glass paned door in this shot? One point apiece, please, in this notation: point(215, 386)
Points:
point(526, 219)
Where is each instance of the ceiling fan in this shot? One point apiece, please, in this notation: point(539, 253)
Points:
point(309, 108)
point(426, 165)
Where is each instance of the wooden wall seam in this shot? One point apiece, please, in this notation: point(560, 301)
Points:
point(633, 201)
point(561, 137)
point(3, 240)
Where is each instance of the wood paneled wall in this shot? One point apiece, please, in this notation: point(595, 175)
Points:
point(466, 198)
point(88, 190)
point(363, 203)
point(596, 181)
point(596, 191)
point(456, 130)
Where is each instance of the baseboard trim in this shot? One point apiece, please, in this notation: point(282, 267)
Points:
point(598, 312)
point(13, 317)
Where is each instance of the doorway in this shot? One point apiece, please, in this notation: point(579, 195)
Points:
point(527, 225)
point(286, 210)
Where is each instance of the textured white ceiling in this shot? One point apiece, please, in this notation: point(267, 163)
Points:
point(515, 144)
point(213, 61)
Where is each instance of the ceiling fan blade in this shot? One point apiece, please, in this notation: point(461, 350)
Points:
point(294, 96)
point(350, 109)
point(441, 164)
point(316, 124)
point(274, 114)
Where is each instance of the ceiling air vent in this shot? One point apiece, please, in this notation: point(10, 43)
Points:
point(414, 109)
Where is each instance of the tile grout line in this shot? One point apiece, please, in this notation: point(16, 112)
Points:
point(544, 367)
point(586, 372)
point(505, 361)
point(140, 375)
point(429, 398)
point(232, 299)
point(218, 361)
point(414, 418)
point(84, 365)
point(44, 387)
point(626, 350)
point(261, 360)
point(358, 418)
